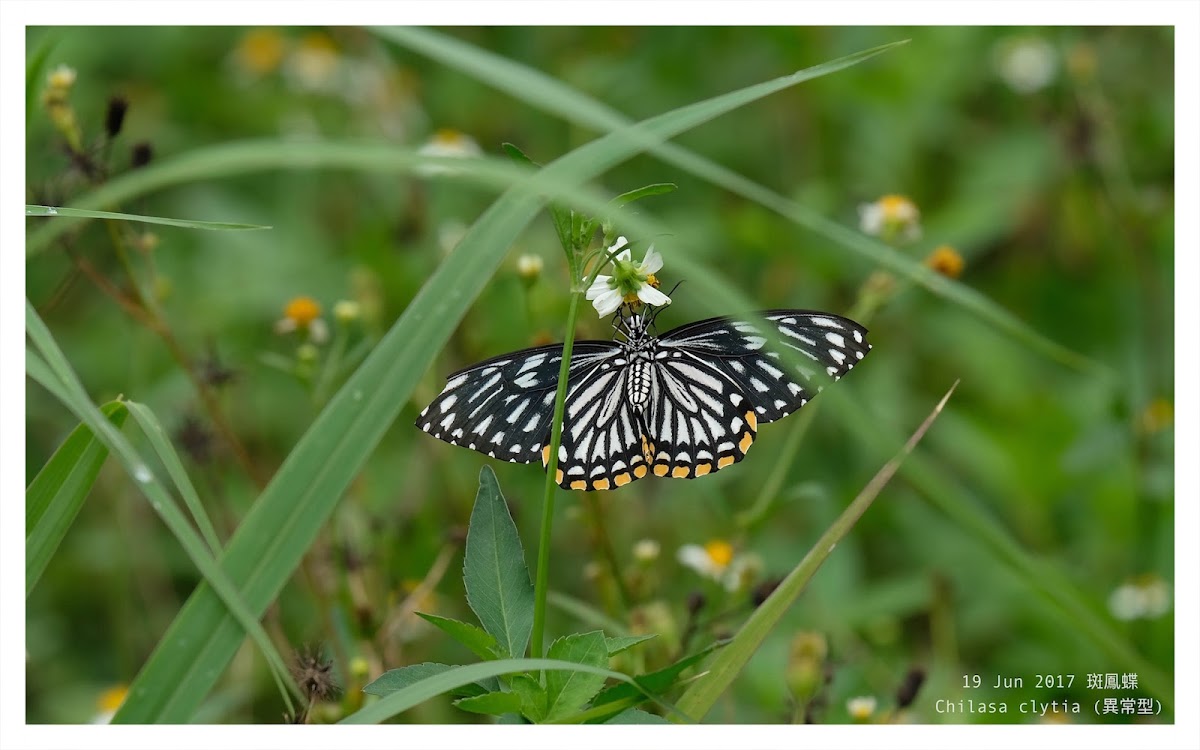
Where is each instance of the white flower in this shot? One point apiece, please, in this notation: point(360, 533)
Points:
point(1148, 597)
point(890, 216)
point(447, 143)
point(1026, 64)
point(529, 266)
point(646, 550)
point(630, 282)
point(861, 707)
point(716, 560)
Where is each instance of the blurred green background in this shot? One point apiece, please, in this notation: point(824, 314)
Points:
point(1043, 157)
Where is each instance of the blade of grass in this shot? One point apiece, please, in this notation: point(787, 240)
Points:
point(54, 372)
point(80, 213)
point(55, 496)
point(284, 520)
point(404, 699)
point(553, 96)
point(170, 459)
point(33, 70)
point(704, 692)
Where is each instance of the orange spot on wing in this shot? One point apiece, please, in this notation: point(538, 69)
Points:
point(600, 484)
point(702, 469)
point(746, 441)
point(660, 470)
point(752, 420)
point(545, 455)
point(724, 461)
point(622, 479)
point(579, 484)
point(640, 471)
point(680, 472)
point(558, 476)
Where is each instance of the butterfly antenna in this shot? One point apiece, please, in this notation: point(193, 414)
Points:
point(659, 310)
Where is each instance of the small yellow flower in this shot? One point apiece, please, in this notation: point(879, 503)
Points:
point(259, 51)
point(946, 261)
point(861, 708)
point(108, 703)
point(891, 217)
point(1157, 416)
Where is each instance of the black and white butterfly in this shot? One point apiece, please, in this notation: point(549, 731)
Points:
point(683, 404)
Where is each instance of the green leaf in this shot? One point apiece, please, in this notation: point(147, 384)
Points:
point(398, 679)
point(636, 716)
point(658, 188)
point(448, 679)
point(482, 644)
point(532, 694)
point(704, 692)
point(617, 644)
point(566, 692)
point(658, 681)
point(495, 704)
point(80, 213)
point(56, 494)
point(494, 573)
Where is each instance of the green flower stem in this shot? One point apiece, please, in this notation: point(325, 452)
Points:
point(543, 566)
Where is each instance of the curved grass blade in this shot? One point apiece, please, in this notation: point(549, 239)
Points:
point(81, 213)
point(34, 67)
point(52, 370)
point(551, 95)
point(56, 494)
point(445, 681)
point(284, 521)
point(704, 692)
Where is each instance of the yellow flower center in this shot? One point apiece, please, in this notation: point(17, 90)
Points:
point(720, 552)
point(946, 261)
point(302, 310)
point(897, 207)
point(261, 50)
point(111, 699)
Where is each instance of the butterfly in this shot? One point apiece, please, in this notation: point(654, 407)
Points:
point(683, 404)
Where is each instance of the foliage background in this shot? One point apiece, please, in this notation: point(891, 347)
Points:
point(1059, 199)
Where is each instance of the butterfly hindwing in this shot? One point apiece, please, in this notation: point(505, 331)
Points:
point(602, 441)
point(698, 420)
point(503, 407)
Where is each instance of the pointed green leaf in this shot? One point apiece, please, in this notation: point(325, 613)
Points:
point(56, 494)
point(394, 680)
point(645, 192)
point(80, 213)
point(654, 682)
point(620, 643)
point(566, 692)
point(480, 642)
point(533, 696)
point(491, 703)
point(494, 573)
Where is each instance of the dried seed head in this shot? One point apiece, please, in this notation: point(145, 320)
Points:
point(907, 692)
point(143, 152)
point(314, 674)
point(115, 117)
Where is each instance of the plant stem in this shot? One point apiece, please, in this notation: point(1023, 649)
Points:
point(543, 566)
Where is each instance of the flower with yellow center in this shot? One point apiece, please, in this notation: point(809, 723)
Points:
point(529, 267)
point(108, 703)
point(718, 560)
point(259, 51)
point(447, 143)
point(861, 708)
point(630, 282)
point(946, 261)
point(890, 217)
point(303, 314)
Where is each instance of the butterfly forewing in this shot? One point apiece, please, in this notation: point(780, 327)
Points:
point(503, 407)
point(828, 346)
